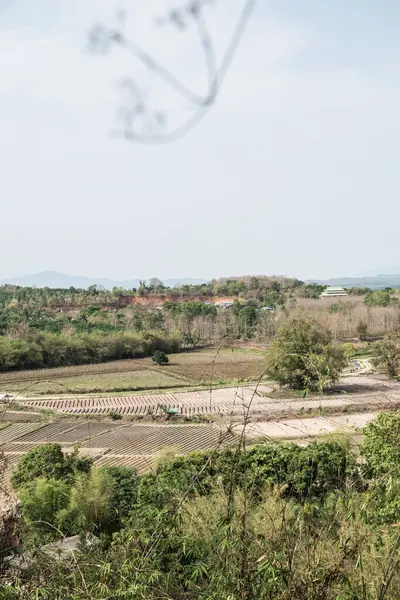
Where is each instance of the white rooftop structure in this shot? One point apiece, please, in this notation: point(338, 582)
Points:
point(332, 292)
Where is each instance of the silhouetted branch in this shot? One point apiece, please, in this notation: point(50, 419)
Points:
point(139, 122)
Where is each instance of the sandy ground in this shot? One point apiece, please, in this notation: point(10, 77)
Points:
point(309, 427)
point(368, 392)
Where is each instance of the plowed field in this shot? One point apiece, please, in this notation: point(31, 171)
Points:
point(185, 369)
point(223, 400)
point(110, 443)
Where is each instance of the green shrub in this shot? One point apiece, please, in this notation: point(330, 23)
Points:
point(387, 354)
point(160, 358)
point(381, 445)
point(49, 462)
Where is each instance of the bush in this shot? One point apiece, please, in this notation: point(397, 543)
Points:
point(379, 298)
point(125, 487)
point(48, 462)
point(302, 356)
point(91, 501)
point(160, 358)
point(387, 354)
point(301, 473)
point(349, 350)
point(381, 446)
point(42, 502)
point(114, 415)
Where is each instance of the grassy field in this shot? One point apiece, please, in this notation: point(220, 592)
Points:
point(185, 370)
point(223, 366)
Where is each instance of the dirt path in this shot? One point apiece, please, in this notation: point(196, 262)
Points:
point(300, 428)
point(356, 393)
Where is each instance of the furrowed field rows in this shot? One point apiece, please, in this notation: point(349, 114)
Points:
point(188, 403)
point(17, 430)
point(20, 416)
point(19, 447)
point(149, 439)
point(130, 445)
point(186, 368)
point(66, 433)
point(140, 463)
point(122, 366)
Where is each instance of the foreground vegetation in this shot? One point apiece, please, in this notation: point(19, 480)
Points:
point(272, 521)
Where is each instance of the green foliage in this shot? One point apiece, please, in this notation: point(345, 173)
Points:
point(302, 473)
point(52, 350)
point(387, 354)
point(381, 447)
point(114, 415)
point(359, 291)
point(43, 502)
point(48, 461)
point(340, 307)
point(247, 320)
point(349, 350)
point(191, 309)
point(272, 521)
point(310, 290)
point(91, 501)
point(302, 356)
point(160, 358)
point(125, 483)
point(379, 298)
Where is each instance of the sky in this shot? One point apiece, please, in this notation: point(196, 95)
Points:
point(295, 170)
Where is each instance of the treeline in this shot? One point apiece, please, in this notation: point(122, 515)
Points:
point(271, 521)
point(266, 290)
point(45, 350)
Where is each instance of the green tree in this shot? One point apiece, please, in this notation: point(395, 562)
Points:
point(379, 298)
point(387, 354)
point(247, 320)
point(49, 462)
point(160, 358)
point(302, 356)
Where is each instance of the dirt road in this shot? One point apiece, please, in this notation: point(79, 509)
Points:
point(355, 393)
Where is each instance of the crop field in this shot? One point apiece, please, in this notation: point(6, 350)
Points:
point(222, 366)
point(19, 416)
point(105, 382)
point(184, 370)
point(17, 430)
point(109, 443)
point(223, 401)
point(150, 439)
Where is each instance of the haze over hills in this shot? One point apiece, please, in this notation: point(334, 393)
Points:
point(54, 279)
point(374, 282)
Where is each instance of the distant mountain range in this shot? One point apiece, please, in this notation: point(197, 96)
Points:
point(54, 279)
point(376, 282)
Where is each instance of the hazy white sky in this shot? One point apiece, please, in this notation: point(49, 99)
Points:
point(294, 171)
